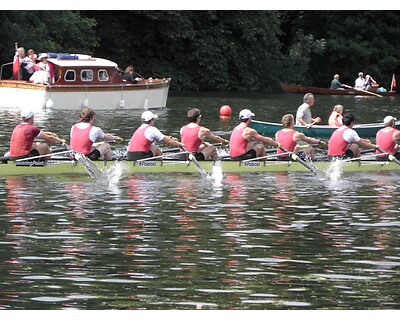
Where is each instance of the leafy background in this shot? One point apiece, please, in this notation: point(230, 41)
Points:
point(252, 50)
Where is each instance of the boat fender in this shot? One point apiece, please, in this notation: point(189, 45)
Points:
point(146, 104)
point(86, 103)
point(49, 103)
point(122, 103)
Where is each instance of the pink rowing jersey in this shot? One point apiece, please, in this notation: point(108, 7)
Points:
point(80, 140)
point(384, 139)
point(285, 138)
point(337, 146)
point(238, 144)
point(138, 142)
point(190, 138)
point(22, 139)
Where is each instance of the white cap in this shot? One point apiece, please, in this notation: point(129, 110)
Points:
point(27, 113)
point(246, 114)
point(388, 120)
point(148, 115)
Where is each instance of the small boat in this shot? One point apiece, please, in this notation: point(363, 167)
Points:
point(294, 88)
point(82, 81)
point(368, 130)
point(76, 168)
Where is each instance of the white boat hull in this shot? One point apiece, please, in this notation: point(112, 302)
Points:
point(113, 97)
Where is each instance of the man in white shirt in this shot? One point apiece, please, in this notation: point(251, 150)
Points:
point(360, 81)
point(303, 115)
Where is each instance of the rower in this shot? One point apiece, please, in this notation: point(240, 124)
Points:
point(242, 138)
point(193, 137)
point(289, 138)
point(387, 139)
point(22, 143)
point(345, 142)
point(84, 135)
point(141, 145)
point(303, 115)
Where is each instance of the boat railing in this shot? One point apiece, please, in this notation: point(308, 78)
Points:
point(1, 69)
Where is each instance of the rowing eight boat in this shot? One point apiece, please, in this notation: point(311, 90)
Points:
point(73, 167)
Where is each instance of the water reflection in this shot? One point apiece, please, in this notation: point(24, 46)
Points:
point(243, 241)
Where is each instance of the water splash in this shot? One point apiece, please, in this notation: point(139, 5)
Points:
point(216, 174)
point(334, 172)
point(112, 176)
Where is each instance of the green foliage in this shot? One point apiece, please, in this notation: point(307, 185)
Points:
point(46, 31)
point(219, 50)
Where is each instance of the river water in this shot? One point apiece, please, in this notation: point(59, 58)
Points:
point(272, 241)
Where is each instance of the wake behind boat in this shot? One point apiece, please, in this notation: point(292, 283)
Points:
point(82, 80)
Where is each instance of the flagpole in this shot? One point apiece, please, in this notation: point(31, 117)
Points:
point(19, 70)
point(393, 84)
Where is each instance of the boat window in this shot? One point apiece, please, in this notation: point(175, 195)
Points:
point(87, 75)
point(103, 75)
point(70, 75)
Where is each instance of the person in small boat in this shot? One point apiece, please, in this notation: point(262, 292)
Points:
point(141, 144)
point(387, 139)
point(242, 138)
point(360, 81)
point(345, 142)
point(40, 76)
point(21, 65)
point(30, 61)
point(83, 136)
point(336, 117)
point(289, 138)
point(335, 83)
point(131, 76)
point(369, 82)
point(193, 136)
point(22, 143)
point(46, 66)
point(303, 115)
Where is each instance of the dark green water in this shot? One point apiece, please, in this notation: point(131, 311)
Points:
point(161, 242)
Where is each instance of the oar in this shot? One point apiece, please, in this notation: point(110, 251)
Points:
point(390, 156)
point(93, 170)
point(193, 158)
point(309, 126)
point(295, 157)
point(366, 91)
point(43, 155)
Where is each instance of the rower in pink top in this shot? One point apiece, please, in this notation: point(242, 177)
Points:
point(193, 136)
point(289, 138)
point(242, 138)
point(387, 138)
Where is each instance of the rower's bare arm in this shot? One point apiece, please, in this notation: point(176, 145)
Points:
point(51, 137)
point(172, 141)
point(366, 144)
point(108, 137)
point(266, 140)
point(301, 121)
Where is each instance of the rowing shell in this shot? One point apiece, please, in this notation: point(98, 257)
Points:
point(72, 167)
